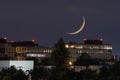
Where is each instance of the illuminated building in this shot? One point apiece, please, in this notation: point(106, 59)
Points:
point(23, 49)
point(38, 52)
point(6, 49)
point(94, 48)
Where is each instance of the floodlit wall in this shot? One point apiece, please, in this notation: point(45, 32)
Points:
point(23, 64)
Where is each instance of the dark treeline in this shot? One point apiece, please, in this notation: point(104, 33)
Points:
point(106, 73)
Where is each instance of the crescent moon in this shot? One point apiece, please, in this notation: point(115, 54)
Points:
point(80, 29)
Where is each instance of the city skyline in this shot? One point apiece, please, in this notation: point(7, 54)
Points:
point(47, 21)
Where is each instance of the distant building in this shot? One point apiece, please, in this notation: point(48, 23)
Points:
point(95, 48)
point(23, 49)
point(6, 49)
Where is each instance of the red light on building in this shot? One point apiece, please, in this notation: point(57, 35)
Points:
point(84, 39)
point(12, 41)
point(5, 38)
point(33, 40)
point(101, 39)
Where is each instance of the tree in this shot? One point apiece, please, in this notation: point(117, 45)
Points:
point(85, 56)
point(40, 73)
point(104, 73)
point(60, 55)
point(115, 71)
point(12, 74)
point(88, 75)
point(83, 59)
point(60, 59)
point(86, 60)
point(110, 72)
point(46, 61)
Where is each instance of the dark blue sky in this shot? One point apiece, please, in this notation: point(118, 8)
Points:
point(48, 20)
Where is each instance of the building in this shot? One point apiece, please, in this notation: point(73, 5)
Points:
point(95, 48)
point(22, 49)
point(6, 49)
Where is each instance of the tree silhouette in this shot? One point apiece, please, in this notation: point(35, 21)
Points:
point(60, 59)
point(86, 60)
point(12, 74)
point(46, 61)
point(60, 55)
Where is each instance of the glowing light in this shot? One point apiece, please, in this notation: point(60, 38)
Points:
point(84, 39)
point(70, 63)
point(33, 40)
point(101, 39)
point(5, 38)
point(12, 41)
point(36, 55)
point(72, 46)
point(67, 46)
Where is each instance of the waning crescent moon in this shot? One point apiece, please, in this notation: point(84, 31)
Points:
point(80, 29)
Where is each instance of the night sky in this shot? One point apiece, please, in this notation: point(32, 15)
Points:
point(48, 20)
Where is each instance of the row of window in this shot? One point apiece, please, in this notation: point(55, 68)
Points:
point(89, 46)
point(32, 49)
point(89, 51)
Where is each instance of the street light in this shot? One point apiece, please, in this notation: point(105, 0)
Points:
point(70, 63)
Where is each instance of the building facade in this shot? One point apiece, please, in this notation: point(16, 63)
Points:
point(23, 49)
point(94, 48)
